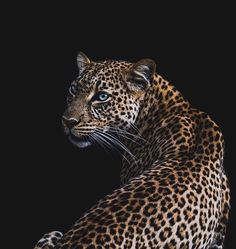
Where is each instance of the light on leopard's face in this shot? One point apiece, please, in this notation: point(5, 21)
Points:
point(105, 97)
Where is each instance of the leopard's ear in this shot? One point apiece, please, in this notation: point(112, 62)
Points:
point(82, 61)
point(139, 76)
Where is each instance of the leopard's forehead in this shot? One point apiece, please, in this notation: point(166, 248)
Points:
point(108, 73)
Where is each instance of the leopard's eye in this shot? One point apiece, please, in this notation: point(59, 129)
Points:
point(101, 96)
point(73, 89)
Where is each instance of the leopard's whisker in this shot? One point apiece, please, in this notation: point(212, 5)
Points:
point(109, 145)
point(117, 142)
point(100, 142)
point(126, 137)
point(118, 130)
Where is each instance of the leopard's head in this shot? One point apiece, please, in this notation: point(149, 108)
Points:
point(105, 97)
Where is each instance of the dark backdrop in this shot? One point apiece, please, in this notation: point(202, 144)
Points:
point(52, 183)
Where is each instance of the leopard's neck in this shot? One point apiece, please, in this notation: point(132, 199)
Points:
point(162, 102)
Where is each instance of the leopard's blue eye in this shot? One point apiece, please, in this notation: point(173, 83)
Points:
point(73, 89)
point(101, 96)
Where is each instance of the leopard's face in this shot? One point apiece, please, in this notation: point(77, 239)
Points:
point(105, 97)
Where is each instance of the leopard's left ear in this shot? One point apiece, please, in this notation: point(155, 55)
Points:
point(82, 62)
point(139, 76)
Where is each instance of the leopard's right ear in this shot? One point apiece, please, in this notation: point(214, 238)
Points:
point(140, 74)
point(82, 61)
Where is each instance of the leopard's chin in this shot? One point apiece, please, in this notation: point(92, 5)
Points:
point(79, 142)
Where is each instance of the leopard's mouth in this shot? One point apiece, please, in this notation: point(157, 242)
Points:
point(79, 141)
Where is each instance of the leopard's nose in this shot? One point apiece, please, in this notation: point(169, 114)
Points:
point(70, 122)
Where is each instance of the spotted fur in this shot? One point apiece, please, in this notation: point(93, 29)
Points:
point(174, 192)
point(49, 240)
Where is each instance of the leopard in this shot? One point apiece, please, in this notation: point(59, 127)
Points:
point(174, 192)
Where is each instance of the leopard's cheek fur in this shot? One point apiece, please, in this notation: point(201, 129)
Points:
point(121, 111)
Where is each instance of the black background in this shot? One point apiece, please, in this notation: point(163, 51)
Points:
point(51, 183)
